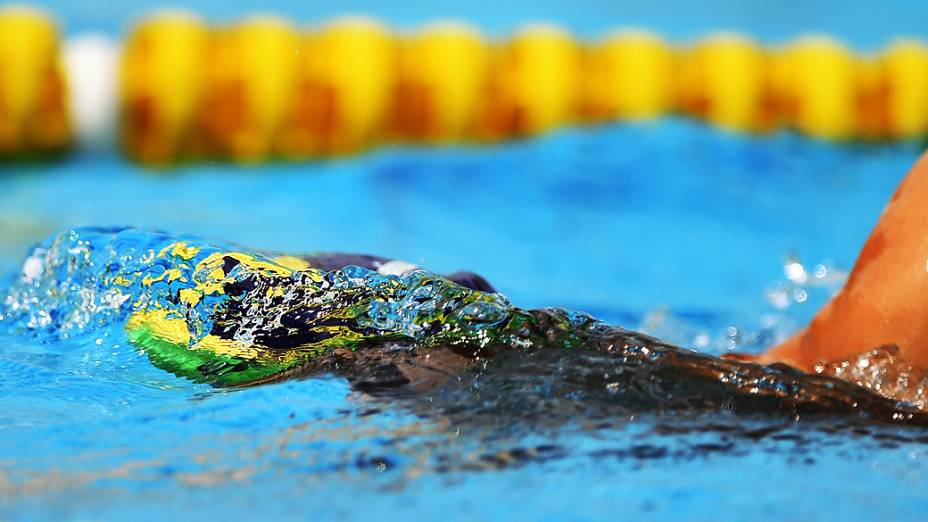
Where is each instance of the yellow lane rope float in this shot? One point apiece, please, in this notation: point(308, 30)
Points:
point(532, 84)
point(722, 79)
point(263, 88)
point(441, 73)
point(161, 78)
point(342, 93)
point(816, 81)
point(33, 116)
point(629, 76)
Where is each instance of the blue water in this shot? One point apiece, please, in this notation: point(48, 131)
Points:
point(864, 25)
point(673, 228)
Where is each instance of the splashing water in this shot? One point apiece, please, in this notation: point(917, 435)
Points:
point(194, 303)
point(804, 286)
point(216, 315)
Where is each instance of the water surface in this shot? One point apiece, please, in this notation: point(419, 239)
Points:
point(675, 229)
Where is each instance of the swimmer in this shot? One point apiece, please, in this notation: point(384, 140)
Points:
point(218, 315)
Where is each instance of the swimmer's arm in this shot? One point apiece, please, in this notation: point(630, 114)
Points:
point(885, 301)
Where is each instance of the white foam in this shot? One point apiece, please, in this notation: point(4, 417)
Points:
point(32, 268)
point(91, 62)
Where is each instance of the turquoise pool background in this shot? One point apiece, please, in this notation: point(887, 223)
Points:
point(672, 227)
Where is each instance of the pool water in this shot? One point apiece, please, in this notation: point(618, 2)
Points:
point(706, 239)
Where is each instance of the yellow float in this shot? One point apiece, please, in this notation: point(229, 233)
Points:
point(905, 70)
point(534, 83)
point(441, 77)
point(630, 75)
point(249, 87)
point(344, 83)
point(161, 86)
point(815, 82)
point(723, 80)
point(33, 112)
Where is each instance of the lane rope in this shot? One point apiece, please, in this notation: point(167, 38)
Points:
point(179, 89)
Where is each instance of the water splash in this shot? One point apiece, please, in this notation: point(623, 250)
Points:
point(883, 370)
point(214, 314)
point(787, 304)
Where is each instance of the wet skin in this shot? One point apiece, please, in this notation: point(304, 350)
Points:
point(885, 300)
